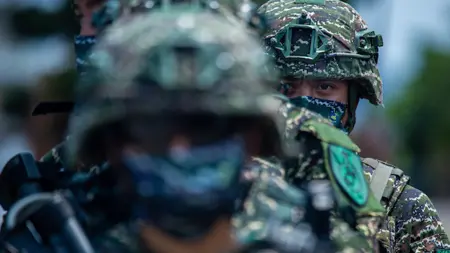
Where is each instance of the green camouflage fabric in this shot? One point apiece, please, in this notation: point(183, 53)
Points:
point(269, 196)
point(412, 223)
point(316, 134)
point(323, 39)
point(272, 197)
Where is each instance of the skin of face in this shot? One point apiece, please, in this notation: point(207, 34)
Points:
point(87, 8)
point(335, 90)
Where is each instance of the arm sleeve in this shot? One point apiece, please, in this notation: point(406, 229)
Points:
point(418, 226)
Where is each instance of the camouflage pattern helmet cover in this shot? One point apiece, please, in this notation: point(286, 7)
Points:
point(111, 10)
point(168, 61)
point(323, 39)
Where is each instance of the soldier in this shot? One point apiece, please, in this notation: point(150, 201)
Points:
point(327, 154)
point(328, 59)
point(177, 106)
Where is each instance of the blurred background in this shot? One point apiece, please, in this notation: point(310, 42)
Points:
point(412, 131)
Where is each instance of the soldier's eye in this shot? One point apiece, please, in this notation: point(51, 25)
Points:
point(289, 91)
point(325, 86)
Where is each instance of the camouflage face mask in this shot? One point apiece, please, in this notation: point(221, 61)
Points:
point(332, 110)
point(185, 192)
point(83, 45)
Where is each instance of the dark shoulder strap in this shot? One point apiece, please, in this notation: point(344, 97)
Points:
point(379, 183)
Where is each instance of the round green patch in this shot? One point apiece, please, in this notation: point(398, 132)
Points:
point(348, 171)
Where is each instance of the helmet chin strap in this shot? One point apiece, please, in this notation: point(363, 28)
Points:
point(353, 100)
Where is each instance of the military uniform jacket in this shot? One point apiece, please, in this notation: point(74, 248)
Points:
point(412, 223)
point(327, 153)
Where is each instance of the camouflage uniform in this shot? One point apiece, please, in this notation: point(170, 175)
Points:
point(328, 39)
point(317, 138)
point(412, 223)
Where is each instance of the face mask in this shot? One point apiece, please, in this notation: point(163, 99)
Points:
point(83, 45)
point(184, 193)
point(332, 110)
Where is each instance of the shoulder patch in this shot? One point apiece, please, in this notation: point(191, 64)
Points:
point(348, 171)
point(330, 134)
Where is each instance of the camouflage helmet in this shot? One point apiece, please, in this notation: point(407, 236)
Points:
point(324, 39)
point(111, 10)
point(173, 61)
point(234, 10)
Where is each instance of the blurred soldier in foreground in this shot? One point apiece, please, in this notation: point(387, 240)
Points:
point(328, 60)
point(177, 106)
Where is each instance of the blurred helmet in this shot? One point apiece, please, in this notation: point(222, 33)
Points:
point(169, 68)
point(111, 10)
point(172, 62)
point(324, 39)
point(234, 11)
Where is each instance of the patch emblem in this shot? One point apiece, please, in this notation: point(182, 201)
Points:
point(348, 171)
